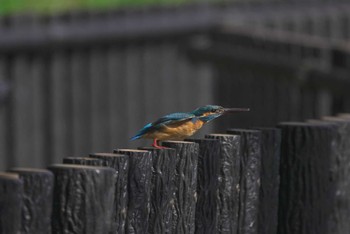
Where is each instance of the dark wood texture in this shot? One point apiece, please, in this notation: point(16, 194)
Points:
point(227, 160)
point(139, 189)
point(306, 192)
point(83, 199)
point(184, 207)
point(340, 168)
point(37, 199)
point(161, 218)
point(11, 193)
point(249, 179)
point(270, 180)
point(120, 163)
point(83, 161)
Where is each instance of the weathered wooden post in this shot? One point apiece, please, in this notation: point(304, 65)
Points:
point(220, 163)
point(83, 199)
point(250, 169)
point(340, 168)
point(162, 190)
point(306, 192)
point(120, 163)
point(206, 217)
point(184, 207)
point(11, 193)
point(270, 180)
point(139, 189)
point(37, 199)
point(83, 161)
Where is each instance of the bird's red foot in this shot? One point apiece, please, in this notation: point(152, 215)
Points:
point(155, 145)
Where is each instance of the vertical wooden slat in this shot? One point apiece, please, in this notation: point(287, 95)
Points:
point(61, 106)
point(185, 84)
point(151, 74)
point(81, 98)
point(3, 109)
point(134, 104)
point(167, 73)
point(24, 153)
point(117, 95)
point(100, 117)
point(40, 139)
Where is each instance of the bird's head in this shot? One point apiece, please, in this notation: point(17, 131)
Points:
point(210, 112)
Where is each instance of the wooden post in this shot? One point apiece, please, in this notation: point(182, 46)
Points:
point(83, 161)
point(222, 163)
point(306, 192)
point(162, 190)
point(139, 189)
point(83, 199)
point(340, 168)
point(249, 179)
point(37, 199)
point(11, 193)
point(120, 163)
point(186, 184)
point(270, 180)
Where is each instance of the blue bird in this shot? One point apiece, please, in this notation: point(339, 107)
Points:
point(178, 126)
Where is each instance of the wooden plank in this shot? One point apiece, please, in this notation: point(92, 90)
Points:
point(151, 63)
point(100, 114)
point(61, 106)
point(81, 98)
point(117, 97)
point(24, 151)
point(83, 199)
point(3, 108)
point(41, 141)
point(134, 103)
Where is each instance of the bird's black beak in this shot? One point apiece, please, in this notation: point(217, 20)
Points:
point(234, 110)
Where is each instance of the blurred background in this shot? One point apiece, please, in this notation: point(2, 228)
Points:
point(81, 76)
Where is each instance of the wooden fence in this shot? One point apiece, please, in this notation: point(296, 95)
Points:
point(287, 179)
point(86, 81)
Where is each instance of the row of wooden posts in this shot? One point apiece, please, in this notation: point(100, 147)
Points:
point(288, 179)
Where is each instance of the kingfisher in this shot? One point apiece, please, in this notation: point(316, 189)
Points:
point(180, 125)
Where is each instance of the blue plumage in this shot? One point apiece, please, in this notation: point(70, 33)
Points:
point(180, 125)
point(167, 119)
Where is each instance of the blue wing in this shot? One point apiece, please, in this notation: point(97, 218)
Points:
point(167, 119)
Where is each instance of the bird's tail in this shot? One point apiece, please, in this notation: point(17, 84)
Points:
point(142, 132)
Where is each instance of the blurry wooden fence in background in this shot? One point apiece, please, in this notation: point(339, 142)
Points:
point(86, 81)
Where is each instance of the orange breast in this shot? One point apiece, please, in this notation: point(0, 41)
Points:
point(177, 131)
